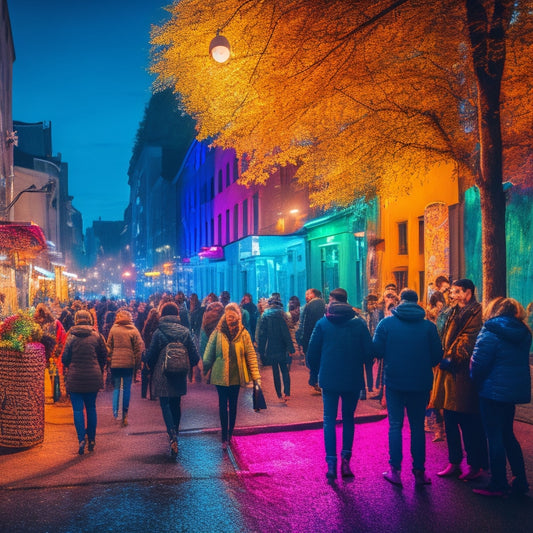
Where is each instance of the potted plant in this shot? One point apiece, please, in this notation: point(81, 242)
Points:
point(22, 367)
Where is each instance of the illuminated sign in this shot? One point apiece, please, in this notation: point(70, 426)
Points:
point(211, 252)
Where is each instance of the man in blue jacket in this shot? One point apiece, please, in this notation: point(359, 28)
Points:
point(339, 347)
point(410, 347)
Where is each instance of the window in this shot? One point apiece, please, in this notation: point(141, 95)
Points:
point(235, 169)
point(228, 178)
point(255, 200)
point(219, 229)
point(212, 239)
point(220, 184)
point(401, 279)
point(245, 218)
point(421, 236)
point(402, 238)
point(235, 222)
point(212, 187)
point(227, 226)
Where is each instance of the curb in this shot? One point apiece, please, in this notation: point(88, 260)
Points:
point(279, 428)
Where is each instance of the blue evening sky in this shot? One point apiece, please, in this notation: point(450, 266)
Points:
point(82, 64)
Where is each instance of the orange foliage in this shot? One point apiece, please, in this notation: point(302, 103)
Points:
point(365, 95)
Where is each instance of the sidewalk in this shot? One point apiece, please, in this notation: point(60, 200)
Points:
point(139, 451)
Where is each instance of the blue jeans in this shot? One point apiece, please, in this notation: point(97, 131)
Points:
point(79, 400)
point(474, 439)
point(118, 374)
point(284, 368)
point(227, 409)
point(331, 405)
point(415, 403)
point(171, 409)
point(498, 418)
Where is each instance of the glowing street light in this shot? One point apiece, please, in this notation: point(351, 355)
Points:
point(220, 49)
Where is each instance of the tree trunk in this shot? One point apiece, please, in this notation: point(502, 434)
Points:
point(487, 39)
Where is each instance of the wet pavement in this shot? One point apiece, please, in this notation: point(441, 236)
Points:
point(272, 479)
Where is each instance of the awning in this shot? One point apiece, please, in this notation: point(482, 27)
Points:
point(24, 238)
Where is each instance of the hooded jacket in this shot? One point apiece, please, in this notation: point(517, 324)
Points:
point(124, 342)
point(274, 340)
point(339, 346)
point(500, 362)
point(410, 347)
point(84, 356)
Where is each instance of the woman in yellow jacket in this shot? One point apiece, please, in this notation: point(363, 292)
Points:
point(231, 357)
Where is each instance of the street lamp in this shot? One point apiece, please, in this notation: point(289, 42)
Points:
point(219, 48)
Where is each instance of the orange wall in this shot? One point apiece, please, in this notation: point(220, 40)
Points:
point(439, 186)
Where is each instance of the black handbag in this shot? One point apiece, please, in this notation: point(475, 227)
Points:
point(258, 398)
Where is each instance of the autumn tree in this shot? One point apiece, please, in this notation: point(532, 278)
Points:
point(364, 95)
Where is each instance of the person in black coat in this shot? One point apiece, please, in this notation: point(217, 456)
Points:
point(84, 358)
point(410, 347)
point(170, 390)
point(275, 344)
point(339, 347)
point(500, 369)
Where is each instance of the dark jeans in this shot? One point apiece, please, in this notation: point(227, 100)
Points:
point(415, 403)
point(146, 382)
point(126, 375)
point(171, 409)
point(475, 442)
point(498, 418)
point(284, 368)
point(79, 400)
point(330, 400)
point(227, 409)
point(369, 376)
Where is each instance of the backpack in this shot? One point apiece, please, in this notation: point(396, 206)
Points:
point(175, 359)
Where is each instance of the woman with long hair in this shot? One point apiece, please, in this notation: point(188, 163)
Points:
point(500, 368)
point(231, 357)
point(150, 325)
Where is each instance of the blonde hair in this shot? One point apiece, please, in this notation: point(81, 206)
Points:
point(501, 306)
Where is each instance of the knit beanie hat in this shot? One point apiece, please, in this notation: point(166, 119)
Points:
point(83, 317)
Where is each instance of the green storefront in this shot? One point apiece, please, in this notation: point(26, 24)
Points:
point(336, 252)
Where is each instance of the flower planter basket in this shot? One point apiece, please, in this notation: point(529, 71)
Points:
point(22, 396)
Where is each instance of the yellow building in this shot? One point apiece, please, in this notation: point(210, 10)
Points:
point(419, 234)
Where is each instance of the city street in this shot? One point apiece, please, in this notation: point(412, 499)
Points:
point(272, 479)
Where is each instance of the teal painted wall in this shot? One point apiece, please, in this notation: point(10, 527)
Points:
point(519, 230)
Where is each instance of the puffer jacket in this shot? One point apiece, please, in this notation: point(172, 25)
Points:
point(169, 330)
point(274, 341)
point(339, 347)
point(217, 354)
point(500, 362)
point(410, 347)
point(124, 343)
point(84, 357)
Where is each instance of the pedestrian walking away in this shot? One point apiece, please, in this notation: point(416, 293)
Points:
point(84, 358)
point(338, 350)
point(500, 369)
point(170, 389)
point(231, 357)
point(125, 347)
point(274, 345)
point(410, 347)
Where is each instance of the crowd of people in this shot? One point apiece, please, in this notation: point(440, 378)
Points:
point(454, 368)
